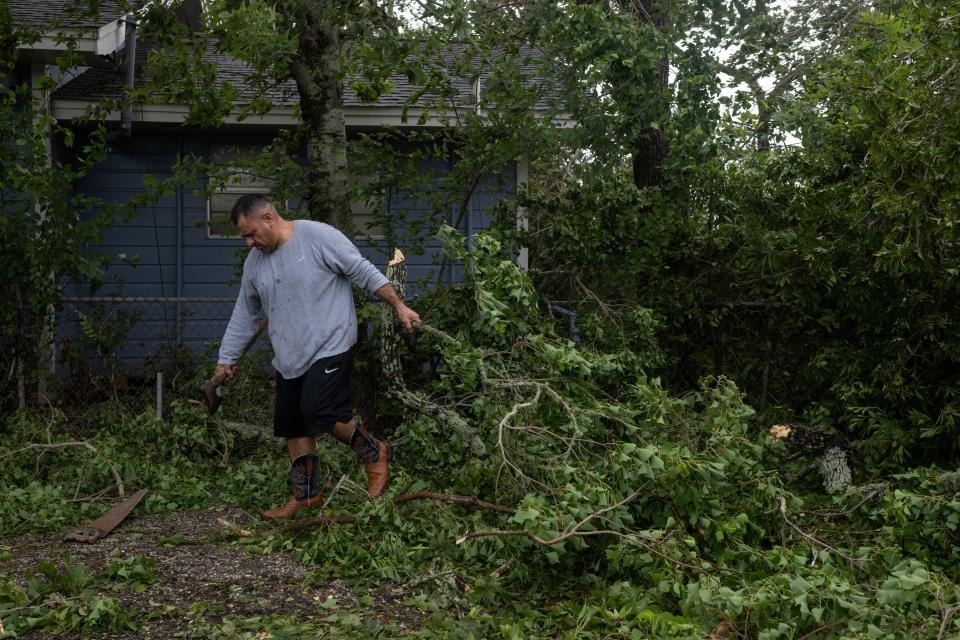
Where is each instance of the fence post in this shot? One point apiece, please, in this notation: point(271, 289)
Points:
point(159, 395)
point(21, 385)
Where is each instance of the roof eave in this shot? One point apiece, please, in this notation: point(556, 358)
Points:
point(356, 116)
point(84, 40)
point(52, 44)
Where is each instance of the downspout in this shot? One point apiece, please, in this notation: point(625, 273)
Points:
point(471, 209)
point(452, 221)
point(179, 222)
point(130, 66)
point(41, 102)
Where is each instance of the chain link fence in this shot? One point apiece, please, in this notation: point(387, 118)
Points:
point(121, 346)
point(144, 352)
point(141, 333)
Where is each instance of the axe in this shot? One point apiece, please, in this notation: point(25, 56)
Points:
point(211, 388)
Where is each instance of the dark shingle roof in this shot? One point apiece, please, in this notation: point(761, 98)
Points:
point(101, 83)
point(71, 14)
point(105, 82)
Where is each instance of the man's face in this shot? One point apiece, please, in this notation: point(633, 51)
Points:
point(256, 230)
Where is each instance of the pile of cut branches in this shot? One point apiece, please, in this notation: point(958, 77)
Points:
point(612, 477)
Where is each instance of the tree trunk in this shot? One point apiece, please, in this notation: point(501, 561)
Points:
point(650, 151)
point(316, 71)
point(651, 145)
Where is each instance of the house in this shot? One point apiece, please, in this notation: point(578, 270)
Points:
point(171, 280)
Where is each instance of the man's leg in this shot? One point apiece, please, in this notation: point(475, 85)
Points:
point(302, 448)
point(374, 453)
point(304, 476)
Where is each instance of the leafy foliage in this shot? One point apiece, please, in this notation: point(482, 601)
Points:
point(634, 512)
point(60, 600)
point(821, 277)
point(46, 227)
point(642, 498)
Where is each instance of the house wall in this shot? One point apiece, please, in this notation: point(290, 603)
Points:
point(163, 251)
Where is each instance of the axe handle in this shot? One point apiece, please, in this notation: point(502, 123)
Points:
point(220, 378)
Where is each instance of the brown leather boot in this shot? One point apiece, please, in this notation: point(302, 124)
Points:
point(378, 471)
point(292, 506)
point(305, 478)
point(376, 456)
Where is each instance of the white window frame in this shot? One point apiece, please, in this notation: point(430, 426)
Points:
point(262, 187)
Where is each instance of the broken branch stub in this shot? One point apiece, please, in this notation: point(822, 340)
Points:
point(832, 449)
point(391, 336)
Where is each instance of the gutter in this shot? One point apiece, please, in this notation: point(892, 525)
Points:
point(179, 215)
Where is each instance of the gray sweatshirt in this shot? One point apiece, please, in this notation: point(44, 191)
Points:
point(303, 287)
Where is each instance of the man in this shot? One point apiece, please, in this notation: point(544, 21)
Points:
point(299, 277)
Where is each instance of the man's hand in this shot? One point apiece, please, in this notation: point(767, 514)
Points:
point(407, 316)
point(224, 372)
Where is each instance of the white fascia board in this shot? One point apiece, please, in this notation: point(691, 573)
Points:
point(92, 43)
point(281, 116)
point(355, 116)
point(159, 113)
point(49, 45)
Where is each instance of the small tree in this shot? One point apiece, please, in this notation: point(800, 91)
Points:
point(46, 228)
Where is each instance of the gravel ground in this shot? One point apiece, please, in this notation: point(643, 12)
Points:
point(203, 577)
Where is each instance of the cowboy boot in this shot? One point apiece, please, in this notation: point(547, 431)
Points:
point(376, 456)
point(305, 478)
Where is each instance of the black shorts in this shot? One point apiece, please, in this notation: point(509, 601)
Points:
point(311, 404)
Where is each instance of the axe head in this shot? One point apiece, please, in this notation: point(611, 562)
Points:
point(211, 395)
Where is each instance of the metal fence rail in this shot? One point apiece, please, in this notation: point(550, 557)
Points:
point(135, 333)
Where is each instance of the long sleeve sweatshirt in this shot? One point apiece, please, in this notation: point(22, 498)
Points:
point(303, 287)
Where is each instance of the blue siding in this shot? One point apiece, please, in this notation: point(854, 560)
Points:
point(144, 250)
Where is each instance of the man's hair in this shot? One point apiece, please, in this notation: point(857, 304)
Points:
point(248, 205)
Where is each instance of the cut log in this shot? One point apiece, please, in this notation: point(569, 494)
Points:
point(832, 449)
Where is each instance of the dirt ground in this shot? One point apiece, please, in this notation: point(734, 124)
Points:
point(203, 577)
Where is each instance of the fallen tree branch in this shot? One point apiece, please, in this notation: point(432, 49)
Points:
point(306, 523)
point(946, 614)
point(390, 340)
point(832, 449)
point(570, 532)
point(336, 488)
point(506, 461)
point(75, 443)
point(467, 501)
point(783, 512)
point(872, 491)
point(237, 529)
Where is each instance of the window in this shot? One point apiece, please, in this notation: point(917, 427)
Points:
point(232, 175)
point(233, 167)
